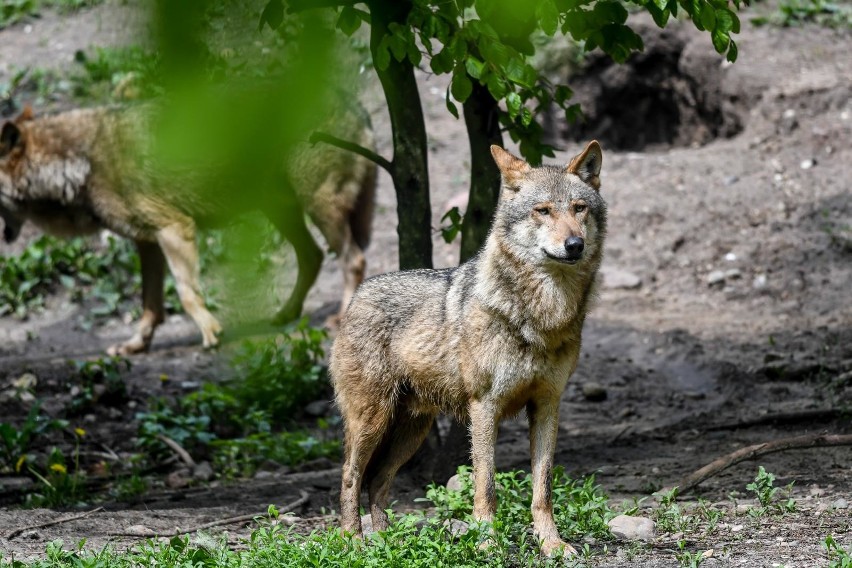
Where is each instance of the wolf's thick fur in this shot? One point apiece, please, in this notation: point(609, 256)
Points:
point(72, 173)
point(496, 335)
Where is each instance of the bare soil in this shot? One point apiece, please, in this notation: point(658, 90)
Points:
point(725, 318)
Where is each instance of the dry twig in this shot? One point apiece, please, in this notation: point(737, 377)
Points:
point(178, 449)
point(18, 532)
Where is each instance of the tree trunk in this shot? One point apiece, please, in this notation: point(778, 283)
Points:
point(483, 130)
point(410, 167)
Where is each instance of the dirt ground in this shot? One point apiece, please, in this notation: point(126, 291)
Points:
point(725, 318)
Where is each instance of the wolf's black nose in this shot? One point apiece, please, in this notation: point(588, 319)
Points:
point(574, 246)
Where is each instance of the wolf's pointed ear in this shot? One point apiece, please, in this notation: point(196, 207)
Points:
point(587, 164)
point(10, 136)
point(510, 166)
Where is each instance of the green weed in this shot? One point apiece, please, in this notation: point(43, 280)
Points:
point(17, 440)
point(61, 483)
point(97, 382)
point(764, 489)
point(106, 73)
point(687, 559)
point(838, 557)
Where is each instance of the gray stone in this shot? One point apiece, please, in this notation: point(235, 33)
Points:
point(808, 164)
point(456, 527)
point(733, 273)
point(626, 527)
point(594, 392)
point(454, 483)
point(615, 278)
point(841, 504)
point(367, 524)
point(715, 277)
point(203, 471)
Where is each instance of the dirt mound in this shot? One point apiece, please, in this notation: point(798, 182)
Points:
point(670, 94)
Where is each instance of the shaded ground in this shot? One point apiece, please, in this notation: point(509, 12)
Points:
point(742, 248)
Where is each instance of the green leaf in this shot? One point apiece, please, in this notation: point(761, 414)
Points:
point(720, 40)
point(474, 67)
point(732, 52)
point(348, 22)
point(450, 105)
point(381, 58)
point(727, 21)
point(496, 86)
point(661, 17)
point(548, 17)
point(272, 15)
point(575, 24)
point(513, 104)
point(414, 54)
point(442, 62)
point(708, 17)
point(461, 87)
point(562, 94)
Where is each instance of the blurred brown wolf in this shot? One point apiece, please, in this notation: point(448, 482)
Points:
point(498, 334)
point(70, 174)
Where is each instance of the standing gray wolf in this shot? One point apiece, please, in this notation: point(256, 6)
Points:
point(498, 334)
point(71, 174)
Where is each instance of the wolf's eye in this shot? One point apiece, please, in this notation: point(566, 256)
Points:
point(543, 210)
point(580, 207)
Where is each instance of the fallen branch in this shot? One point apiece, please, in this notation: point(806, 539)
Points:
point(178, 449)
point(751, 452)
point(20, 531)
point(303, 498)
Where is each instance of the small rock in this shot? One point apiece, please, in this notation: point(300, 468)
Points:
point(190, 385)
point(140, 530)
point(317, 408)
point(632, 528)
point(733, 273)
point(454, 483)
point(456, 527)
point(808, 164)
point(90, 418)
point(736, 528)
point(178, 479)
point(27, 381)
point(730, 257)
point(715, 277)
point(203, 471)
point(366, 524)
point(759, 282)
point(840, 504)
point(731, 180)
point(615, 278)
point(594, 392)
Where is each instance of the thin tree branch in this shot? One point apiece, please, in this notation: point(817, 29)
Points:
point(303, 498)
point(751, 452)
point(177, 449)
point(319, 136)
point(22, 530)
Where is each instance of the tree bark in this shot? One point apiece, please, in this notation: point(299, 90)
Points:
point(483, 130)
point(410, 166)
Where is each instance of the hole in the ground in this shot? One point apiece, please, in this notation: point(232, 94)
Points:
point(668, 95)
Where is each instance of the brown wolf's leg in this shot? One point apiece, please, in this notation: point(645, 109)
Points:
point(153, 272)
point(406, 434)
point(364, 432)
point(178, 245)
point(309, 256)
point(483, 436)
point(544, 422)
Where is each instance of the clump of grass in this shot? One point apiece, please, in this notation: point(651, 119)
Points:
point(767, 495)
point(798, 12)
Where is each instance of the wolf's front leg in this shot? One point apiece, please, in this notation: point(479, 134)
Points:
point(153, 271)
point(483, 436)
point(543, 416)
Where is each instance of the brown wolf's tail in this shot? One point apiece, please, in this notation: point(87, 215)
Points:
point(361, 217)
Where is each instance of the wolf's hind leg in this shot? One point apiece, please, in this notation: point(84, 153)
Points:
point(404, 437)
point(364, 431)
point(178, 245)
point(308, 255)
point(153, 271)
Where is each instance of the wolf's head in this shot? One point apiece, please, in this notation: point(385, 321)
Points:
point(550, 215)
point(12, 153)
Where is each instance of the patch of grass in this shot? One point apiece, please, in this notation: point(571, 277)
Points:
point(799, 12)
point(413, 540)
point(13, 11)
point(116, 73)
point(97, 382)
point(686, 558)
point(669, 516)
point(767, 495)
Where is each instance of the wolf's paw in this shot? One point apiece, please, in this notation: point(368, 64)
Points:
point(556, 547)
point(130, 347)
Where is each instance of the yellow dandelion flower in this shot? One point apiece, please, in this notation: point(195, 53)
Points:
point(20, 463)
point(58, 468)
point(80, 432)
point(164, 377)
